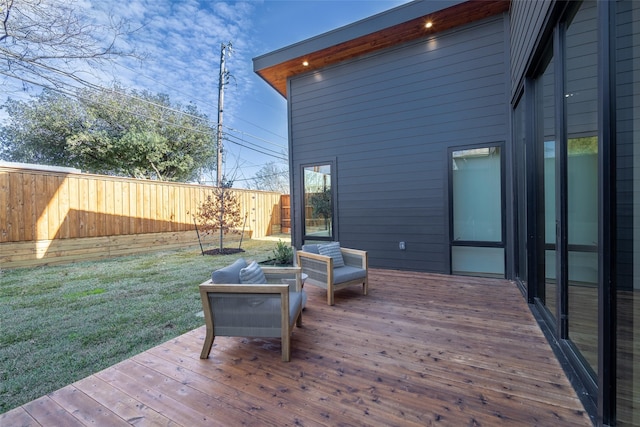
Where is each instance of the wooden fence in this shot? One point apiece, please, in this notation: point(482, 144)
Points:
point(50, 217)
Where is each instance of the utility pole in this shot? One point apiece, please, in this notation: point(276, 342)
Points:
point(221, 82)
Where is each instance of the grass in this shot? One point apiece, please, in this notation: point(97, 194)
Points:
point(62, 323)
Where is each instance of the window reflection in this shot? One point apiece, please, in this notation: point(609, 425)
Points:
point(318, 202)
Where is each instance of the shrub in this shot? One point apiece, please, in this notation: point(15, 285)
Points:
point(283, 253)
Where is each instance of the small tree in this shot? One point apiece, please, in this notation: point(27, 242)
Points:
point(321, 205)
point(220, 212)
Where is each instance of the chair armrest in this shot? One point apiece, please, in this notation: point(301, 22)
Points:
point(278, 274)
point(319, 268)
point(355, 258)
point(235, 288)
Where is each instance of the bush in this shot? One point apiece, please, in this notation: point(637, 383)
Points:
point(283, 253)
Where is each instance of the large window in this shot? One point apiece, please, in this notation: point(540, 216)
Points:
point(477, 235)
point(627, 190)
point(318, 202)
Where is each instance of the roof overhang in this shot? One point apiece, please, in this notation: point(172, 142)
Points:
point(394, 27)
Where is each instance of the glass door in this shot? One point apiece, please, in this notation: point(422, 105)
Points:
point(567, 184)
point(581, 146)
point(546, 212)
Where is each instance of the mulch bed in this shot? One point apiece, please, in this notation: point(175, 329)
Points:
point(224, 251)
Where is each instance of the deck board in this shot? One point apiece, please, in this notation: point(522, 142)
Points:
point(419, 350)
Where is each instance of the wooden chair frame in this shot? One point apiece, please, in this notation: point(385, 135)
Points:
point(281, 290)
point(319, 268)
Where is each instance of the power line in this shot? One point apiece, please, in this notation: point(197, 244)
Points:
point(242, 144)
point(206, 103)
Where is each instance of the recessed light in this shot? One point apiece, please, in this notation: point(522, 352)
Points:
point(429, 24)
point(305, 63)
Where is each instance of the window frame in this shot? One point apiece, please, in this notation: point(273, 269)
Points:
point(334, 220)
point(501, 244)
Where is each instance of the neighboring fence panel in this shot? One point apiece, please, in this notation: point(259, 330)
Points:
point(43, 206)
point(285, 215)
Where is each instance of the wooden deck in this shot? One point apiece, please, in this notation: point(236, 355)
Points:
point(419, 350)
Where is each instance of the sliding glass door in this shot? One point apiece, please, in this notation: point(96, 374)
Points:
point(566, 137)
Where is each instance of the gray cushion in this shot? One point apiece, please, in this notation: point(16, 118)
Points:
point(230, 273)
point(252, 274)
point(312, 248)
point(296, 299)
point(332, 250)
point(347, 273)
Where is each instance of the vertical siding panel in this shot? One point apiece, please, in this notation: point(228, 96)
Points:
point(149, 207)
point(82, 207)
point(92, 218)
point(109, 208)
point(52, 207)
point(133, 207)
point(158, 208)
point(63, 208)
point(29, 212)
point(72, 218)
point(180, 209)
point(101, 208)
point(19, 211)
point(126, 210)
point(166, 216)
point(5, 196)
point(141, 207)
point(15, 208)
point(117, 208)
point(41, 205)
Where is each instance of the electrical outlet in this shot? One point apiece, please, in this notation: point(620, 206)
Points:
point(402, 246)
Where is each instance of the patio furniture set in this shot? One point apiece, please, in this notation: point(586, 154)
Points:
point(248, 300)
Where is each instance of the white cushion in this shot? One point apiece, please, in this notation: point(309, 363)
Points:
point(252, 274)
point(332, 250)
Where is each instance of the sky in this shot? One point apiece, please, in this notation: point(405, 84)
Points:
point(180, 41)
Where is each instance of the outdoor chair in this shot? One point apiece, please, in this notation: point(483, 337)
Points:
point(242, 301)
point(333, 268)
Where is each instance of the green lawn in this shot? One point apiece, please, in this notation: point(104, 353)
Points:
point(59, 324)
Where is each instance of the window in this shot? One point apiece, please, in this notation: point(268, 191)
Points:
point(477, 198)
point(318, 202)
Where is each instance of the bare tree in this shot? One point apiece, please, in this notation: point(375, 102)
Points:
point(271, 177)
point(52, 43)
point(220, 211)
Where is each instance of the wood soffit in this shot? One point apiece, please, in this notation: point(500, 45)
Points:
point(445, 19)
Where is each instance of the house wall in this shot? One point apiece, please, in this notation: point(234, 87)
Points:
point(387, 120)
point(528, 19)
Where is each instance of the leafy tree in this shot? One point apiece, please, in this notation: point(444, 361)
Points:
point(37, 131)
point(136, 134)
point(220, 212)
point(271, 177)
point(51, 42)
point(321, 205)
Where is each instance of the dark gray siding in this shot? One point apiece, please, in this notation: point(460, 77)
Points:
point(528, 18)
point(388, 120)
point(627, 155)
